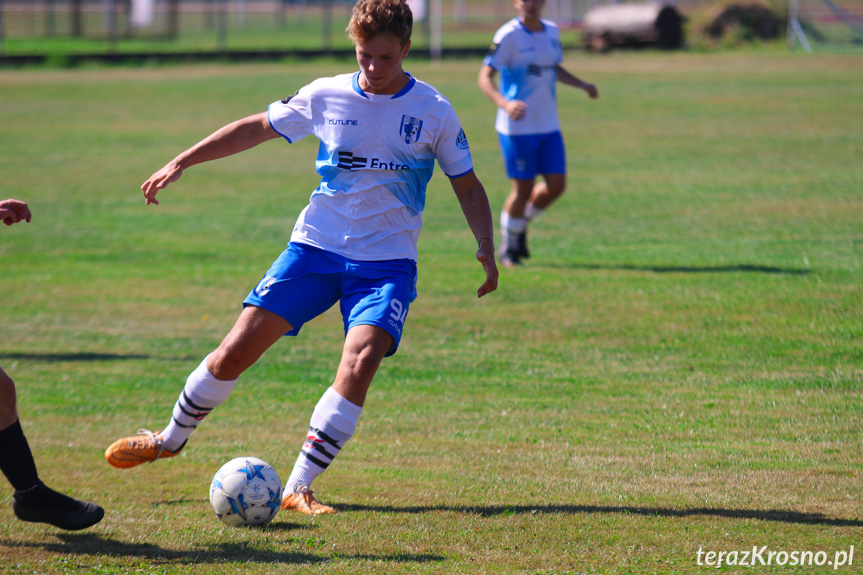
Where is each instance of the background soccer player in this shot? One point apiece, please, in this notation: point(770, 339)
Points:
point(380, 132)
point(528, 54)
point(33, 500)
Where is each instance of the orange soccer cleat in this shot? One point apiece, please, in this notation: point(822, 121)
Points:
point(131, 451)
point(303, 500)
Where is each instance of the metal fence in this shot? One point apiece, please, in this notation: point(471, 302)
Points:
point(232, 24)
point(276, 26)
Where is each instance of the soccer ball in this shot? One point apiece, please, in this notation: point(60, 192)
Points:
point(246, 491)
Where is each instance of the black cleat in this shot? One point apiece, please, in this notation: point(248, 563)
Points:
point(44, 505)
point(523, 252)
point(510, 259)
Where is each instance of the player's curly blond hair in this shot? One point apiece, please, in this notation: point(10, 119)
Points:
point(373, 17)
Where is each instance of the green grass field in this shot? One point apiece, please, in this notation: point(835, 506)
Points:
point(678, 367)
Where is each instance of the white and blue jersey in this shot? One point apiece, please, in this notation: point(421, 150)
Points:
point(527, 62)
point(376, 156)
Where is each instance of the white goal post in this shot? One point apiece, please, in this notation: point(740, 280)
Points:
point(795, 31)
point(825, 24)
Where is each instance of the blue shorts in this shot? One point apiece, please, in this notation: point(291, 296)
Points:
point(529, 155)
point(306, 281)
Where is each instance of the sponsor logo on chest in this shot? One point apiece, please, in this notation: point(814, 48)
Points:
point(348, 161)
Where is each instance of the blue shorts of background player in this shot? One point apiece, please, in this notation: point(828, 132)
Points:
point(530, 155)
point(306, 281)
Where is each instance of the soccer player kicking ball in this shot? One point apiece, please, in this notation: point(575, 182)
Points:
point(33, 500)
point(527, 52)
point(380, 131)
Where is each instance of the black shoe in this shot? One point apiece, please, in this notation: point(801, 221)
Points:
point(44, 505)
point(510, 259)
point(522, 245)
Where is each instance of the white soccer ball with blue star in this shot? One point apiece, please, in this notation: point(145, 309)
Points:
point(246, 491)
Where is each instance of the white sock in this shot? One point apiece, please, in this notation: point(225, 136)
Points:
point(333, 423)
point(510, 228)
point(201, 394)
point(531, 212)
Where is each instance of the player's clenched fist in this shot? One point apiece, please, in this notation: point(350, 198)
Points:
point(14, 211)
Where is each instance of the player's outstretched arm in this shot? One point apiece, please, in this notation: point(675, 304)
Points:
point(564, 77)
point(474, 203)
point(14, 211)
point(515, 109)
point(227, 141)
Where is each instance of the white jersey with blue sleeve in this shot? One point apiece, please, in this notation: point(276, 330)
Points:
point(375, 158)
point(527, 62)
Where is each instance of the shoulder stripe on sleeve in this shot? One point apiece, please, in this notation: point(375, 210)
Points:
point(273, 126)
point(459, 175)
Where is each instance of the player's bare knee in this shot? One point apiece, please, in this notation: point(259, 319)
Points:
point(228, 362)
point(359, 362)
point(362, 361)
point(522, 190)
point(556, 190)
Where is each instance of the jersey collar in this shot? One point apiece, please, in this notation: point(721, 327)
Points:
point(528, 30)
point(356, 85)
